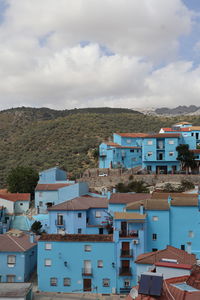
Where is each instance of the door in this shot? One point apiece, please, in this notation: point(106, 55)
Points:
point(87, 283)
point(123, 228)
point(100, 230)
point(125, 248)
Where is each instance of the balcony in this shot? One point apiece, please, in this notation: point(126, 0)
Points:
point(59, 223)
point(102, 154)
point(125, 271)
point(128, 234)
point(126, 253)
point(87, 272)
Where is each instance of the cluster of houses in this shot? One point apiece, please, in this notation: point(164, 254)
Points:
point(154, 153)
point(96, 243)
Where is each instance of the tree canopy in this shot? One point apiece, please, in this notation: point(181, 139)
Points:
point(186, 157)
point(22, 180)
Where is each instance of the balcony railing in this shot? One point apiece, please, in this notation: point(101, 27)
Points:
point(127, 253)
point(128, 233)
point(87, 271)
point(125, 271)
point(102, 154)
point(60, 223)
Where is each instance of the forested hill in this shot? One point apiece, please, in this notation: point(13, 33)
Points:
point(43, 137)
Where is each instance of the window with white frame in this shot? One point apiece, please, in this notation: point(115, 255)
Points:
point(48, 246)
point(66, 281)
point(106, 282)
point(10, 278)
point(53, 281)
point(79, 230)
point(190, 234)
point(60, 220)
point(128, 141)
point(79, 215)
point(98, 214)
point(149, 153)
point(11, 261)
point(88, 248)
point(150, 142)
point(47, 262)
point(155, 218)
point(171, 142)
point(127, 282)
point(40, 203)
point(171, 153)
point(100, 263)
point(154, 236)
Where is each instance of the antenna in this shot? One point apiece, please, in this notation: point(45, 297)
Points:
point(133, 293)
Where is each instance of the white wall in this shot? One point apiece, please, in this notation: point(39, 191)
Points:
point(172, 272)
point(8, 204)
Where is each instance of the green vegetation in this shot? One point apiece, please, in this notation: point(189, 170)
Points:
point(186, 157)
point(22, 180)
point(36, 227)
point(133, 186)
point(185, 186)
point(42, 138)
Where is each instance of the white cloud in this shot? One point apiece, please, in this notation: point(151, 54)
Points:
point(43, 64)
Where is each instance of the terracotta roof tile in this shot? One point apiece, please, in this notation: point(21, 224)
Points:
point(16, 196)
point(184, 201)
point(149, 204)
point(51, 187)
point(125, 198)
point(170, 252)
point(173, 265)
point(81, 203)
point(129, 216)
point(157, 195)
point(164, 135)
point(132, 134)
point(11, 243)
point(120, 146)
point(77, 237)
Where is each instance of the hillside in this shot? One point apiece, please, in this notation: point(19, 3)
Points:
point(43, 138)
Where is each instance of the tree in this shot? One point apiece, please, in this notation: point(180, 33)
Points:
point(186, 157)
point(36, 226)
point(22, 180)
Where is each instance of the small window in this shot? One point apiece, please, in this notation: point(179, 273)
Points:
point(190, 234)
point(47, 262)
point(79, 230)
point(154, 236)
point(149, 153)
point(98, 214)
point(88, 248)
point(106, 282)
point(40, 203)
point(182, 247)
point(21, 203)
point(60, 220)
point(79, 215)
point(132, 150)
point(48, 246)
point(100, 264)
point(154, 249)
point(171, 153)
point(0, 278)
point(10, 278)
point(40, 194)
point(127, 283)
point(66, 281)
point(155, 218)
point(53, 281)
point(149, 142)
point(171, 142)
point(128, 141)
point(11, 260)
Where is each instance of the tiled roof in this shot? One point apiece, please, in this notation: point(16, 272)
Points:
point(184, 201)
point(15, 290)
point(16, 196)
point(77, 237)
point(173, 265)
point(11, 243)
point(175, 130)
point(157, 195)
point(170, 252)
point(149, 204)
point(163, 135)
point(51, 187)
point(125, 198)
point(129, 216)
point(132, 134)
point(195, 150)
point(120, 146)
point(81, 203)
point(194, 279)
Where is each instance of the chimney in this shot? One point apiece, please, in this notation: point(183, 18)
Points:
point(108, 195)
point(114, 190)
point(189, 247)
point(141, 209)
point(32, 238)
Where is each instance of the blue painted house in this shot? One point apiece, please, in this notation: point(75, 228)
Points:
point(53, 175)
point(18, 256)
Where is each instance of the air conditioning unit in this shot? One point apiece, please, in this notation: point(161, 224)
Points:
point(135, 242)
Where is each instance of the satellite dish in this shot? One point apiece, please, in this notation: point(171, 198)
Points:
point(133, 293)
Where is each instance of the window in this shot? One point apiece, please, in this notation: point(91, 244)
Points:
point(171, 142)
point(182, 247)
point(66, 281)
point(79, 230)
point(128, 141)
point(47, 262)
point(53, 281)
point(132, 150)
point(0, 278)
point(79, 215)
point(98, 214)
point(154, 236)
point(127, 282)
point(48, 246)
point(149, 153)
point(190, 234)
point(154, 249)
point(155, 218)
point(149, 142)
point(11, 260)
point(106, 282)
point(10, 278)
point(40, 203)
point(60, 219)
point(100, 264)
point(21, 203)
point(40, 194)
point(171, 153)
point(88, 248)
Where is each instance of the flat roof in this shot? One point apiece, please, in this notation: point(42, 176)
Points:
point(77, 238)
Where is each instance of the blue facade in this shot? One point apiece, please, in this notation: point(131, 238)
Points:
point(52, 175)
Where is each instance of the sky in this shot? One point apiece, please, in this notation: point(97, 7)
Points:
point(65, 54)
